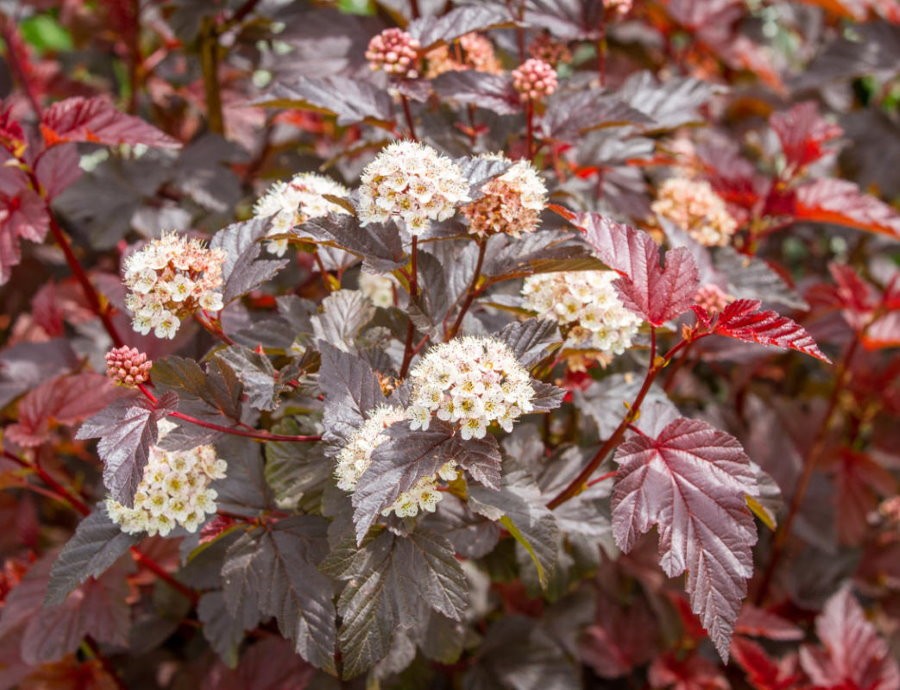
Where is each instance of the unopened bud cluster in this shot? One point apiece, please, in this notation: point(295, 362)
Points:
point(534, 80)
point(511, 203)
point(712, 298)
point(473, 382)
point(173, 491)
point(693, 206)
point(170, 279)
point(411, 181)
point(470, 51)
point(356, 456)
point(548, 49)
point(293, 203)
point(394, 51)
point(128, 366)
point(586, 306)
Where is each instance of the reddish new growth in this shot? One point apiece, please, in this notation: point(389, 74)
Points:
point(712, 298)
point(395, 52)
point(128, 366)
point(534, 80)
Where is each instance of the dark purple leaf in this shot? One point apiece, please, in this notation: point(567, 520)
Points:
point(351, 100)
point(491, 91)
point(461, 20)
point(242, 270)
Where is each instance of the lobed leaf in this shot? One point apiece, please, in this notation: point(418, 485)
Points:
point(803, 133)
point(127, 430)
point(431, 30)
point(658, 293)
point(352, 101)
point(96, 120)
point(98, 542)
point(742, 320)
point(243, 270)
point(842, 203)
point(690, 481)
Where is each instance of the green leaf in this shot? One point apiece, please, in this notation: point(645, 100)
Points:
point(44, 33)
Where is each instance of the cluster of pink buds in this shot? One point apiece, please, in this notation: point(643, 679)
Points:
point(128, 366)
point(534, 80)
point(395, 52)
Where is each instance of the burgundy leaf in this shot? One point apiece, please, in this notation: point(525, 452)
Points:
point(691, 482)
point(64, 400)
point(97, 120)
point(657, 293)
point(884, 332)
point(764, 672)
point(842, 203)
point(803, 133)
point(23, 215)
point(854, 657)
point(57, 168)
point(621, 638)
point(432, 30)
point(691, 673)
point(742, 320)
point(491, 91)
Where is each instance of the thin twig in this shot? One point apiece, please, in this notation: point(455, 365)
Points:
point(471, 293)
point(413, 296)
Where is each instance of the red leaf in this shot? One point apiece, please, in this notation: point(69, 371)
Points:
point(884, 332)
point(692, 673)
point(691, 481)
point(853, 656)
point(97, 120)
point(65, 400)
point(12, 138)
point(842, 203)
point(23, 215)
point(860, 483)
point(620, 640)
point(803, 133)
point(760, 623)
point(742, 320)
point(763, 672)
point(657, 293)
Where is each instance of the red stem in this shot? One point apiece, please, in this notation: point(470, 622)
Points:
point(471, 293)
point(603, 477)
point(529, 129)
point(809, 464)
point(577, 485)
point(407, 113)
point(257, 434)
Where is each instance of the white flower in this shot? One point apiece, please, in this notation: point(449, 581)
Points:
point(411, 181)
point(586, 306)
point(511, 203)
point(379, 289)
point(294, 202)
point(355, 457)
point(170, 279)
point(173, 491)
point(694, 207)
point(471, 381)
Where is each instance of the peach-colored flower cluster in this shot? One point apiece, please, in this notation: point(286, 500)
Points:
point(170, 279)
point(534, 80)
point(470, 51)
point(128, 366)
point(694, 207)
point(394, 51)
point(511, 203)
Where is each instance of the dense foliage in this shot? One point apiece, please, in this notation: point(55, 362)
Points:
point(485, 344)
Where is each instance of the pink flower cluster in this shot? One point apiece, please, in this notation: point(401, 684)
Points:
point(128, 366)
point(534, 80)
point(712, 298)
point(546, 48)
point(395, 52)
point(510, 204)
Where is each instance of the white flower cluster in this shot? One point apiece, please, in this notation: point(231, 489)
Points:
point(414, 182)
point(473, 381)
point(354, 459)
point(293, 203)
point(693, 206)
point(512, 203)
point(170, 279)
point(586, 306)
point(379, 289)
point(173, 491)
